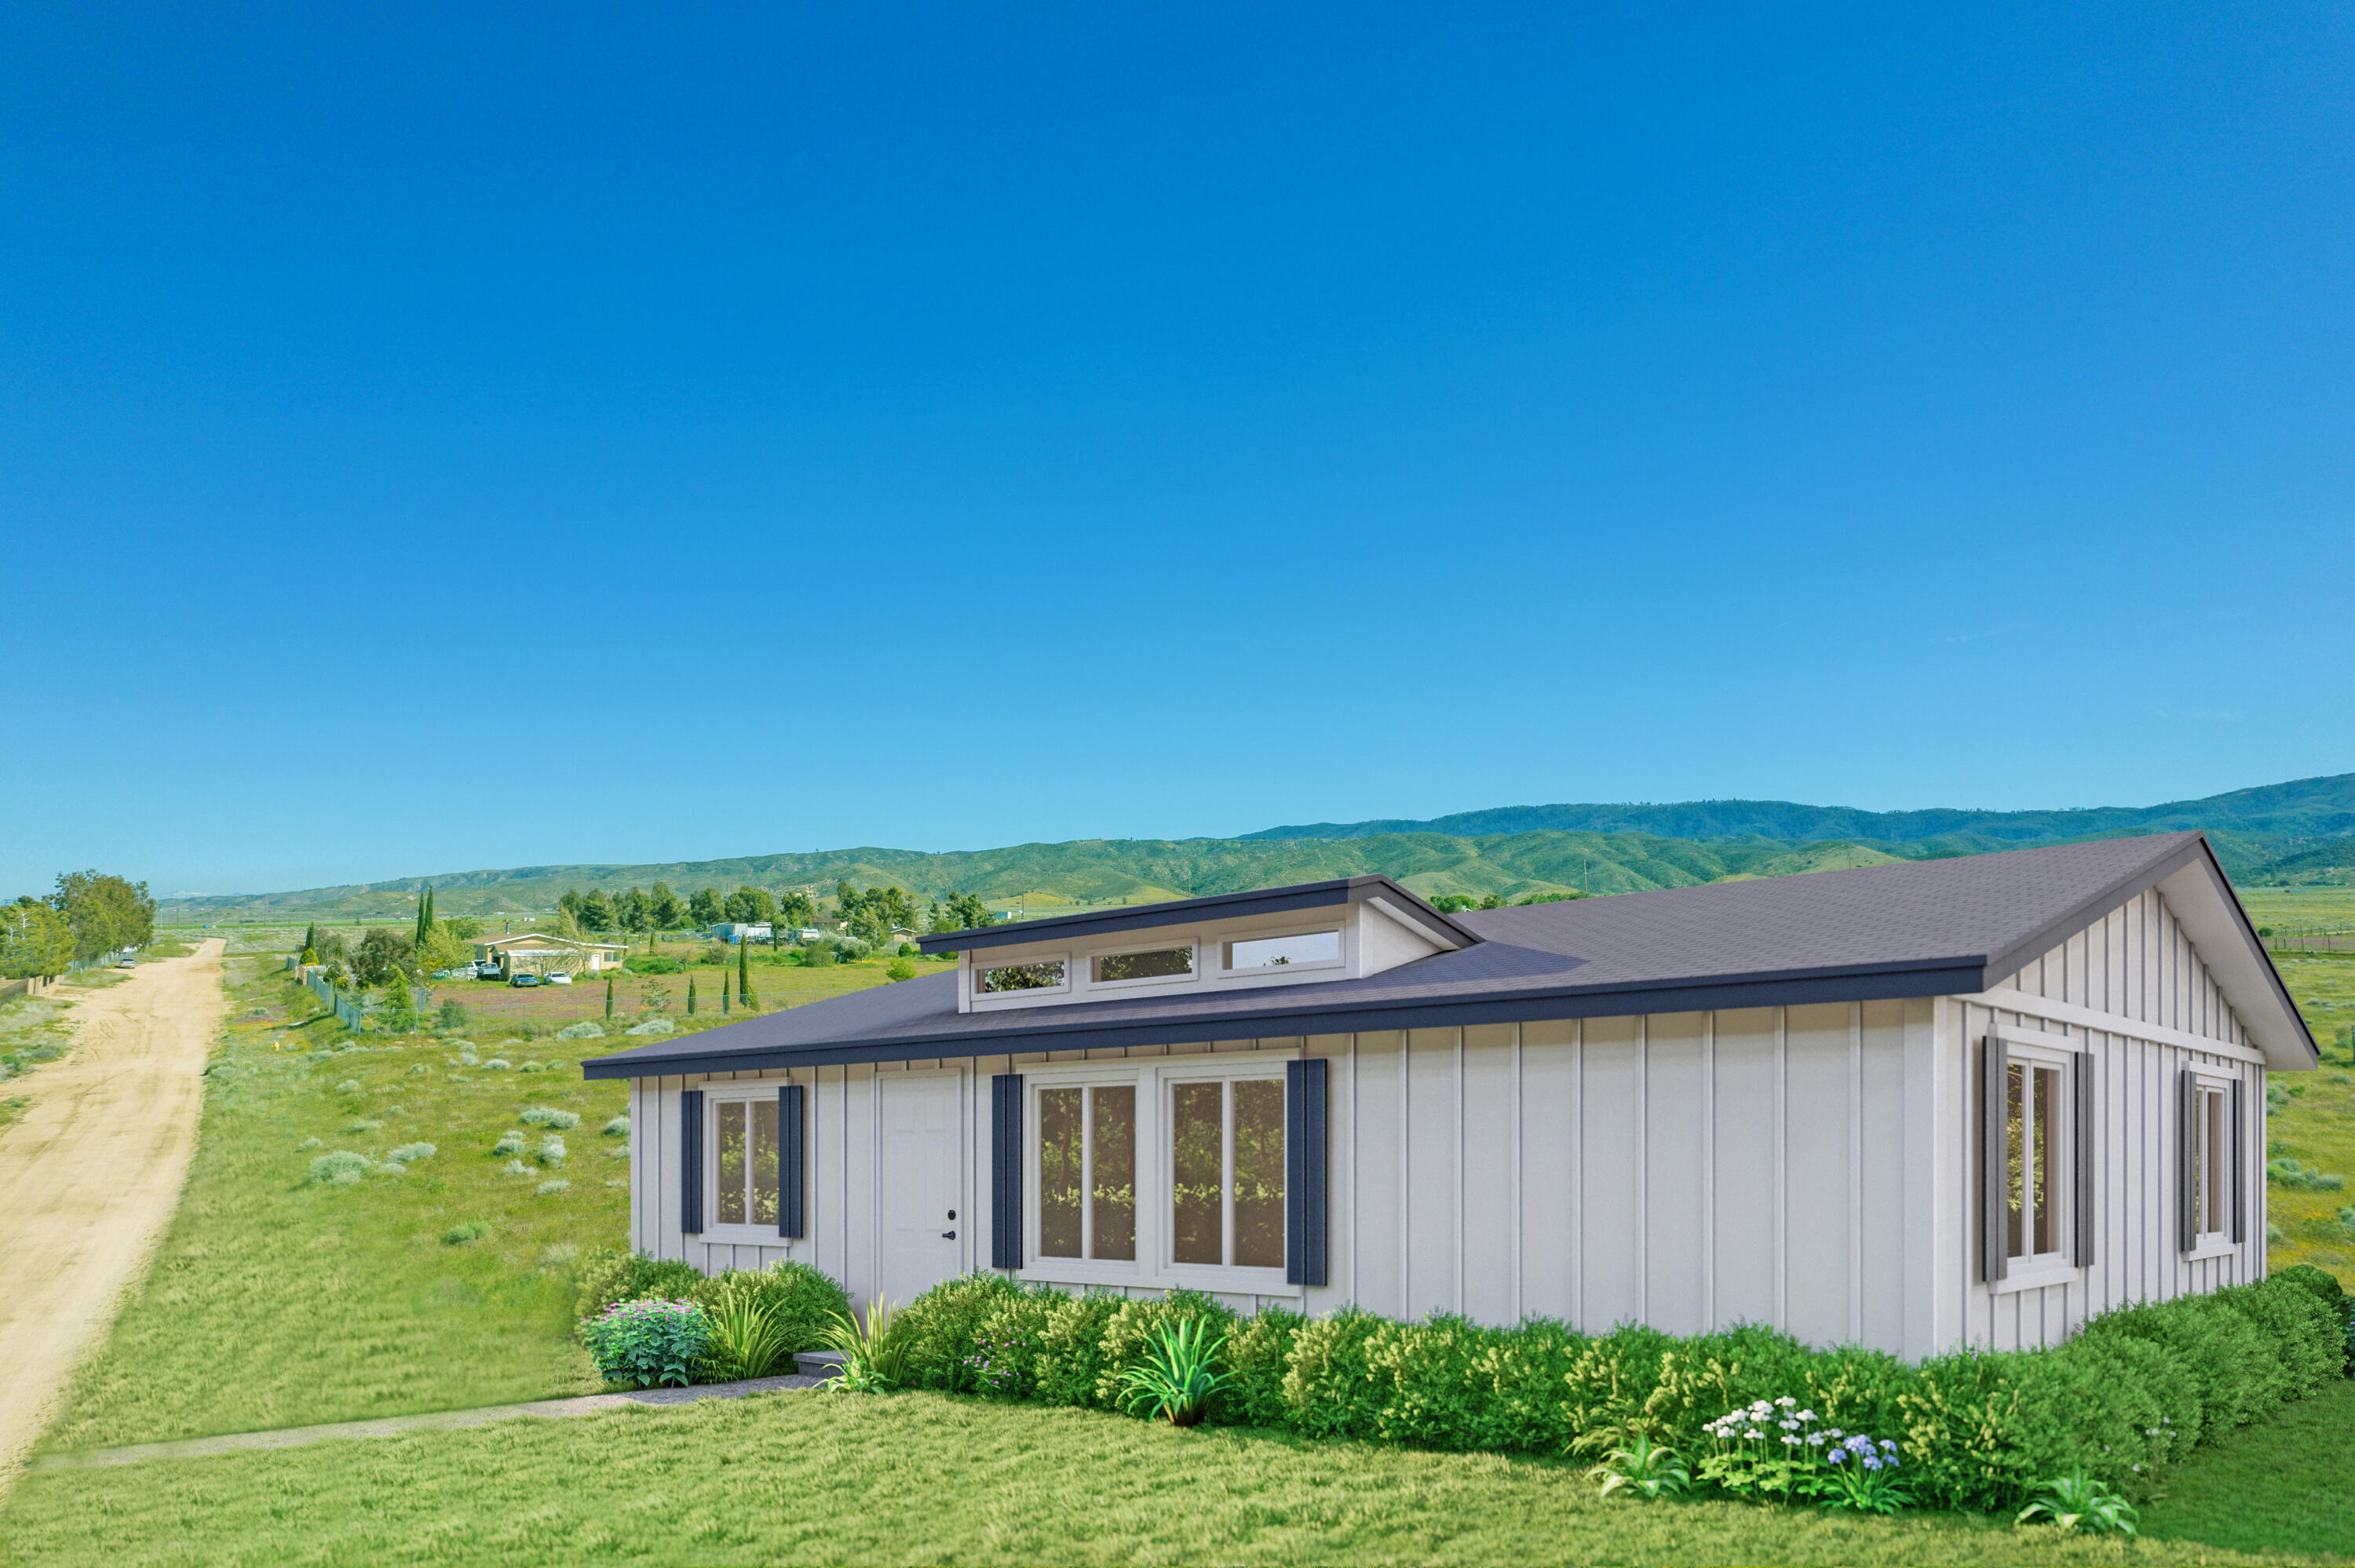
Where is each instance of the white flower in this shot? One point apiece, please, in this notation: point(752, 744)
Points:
point(1794, 1442)
point(1806, 1415)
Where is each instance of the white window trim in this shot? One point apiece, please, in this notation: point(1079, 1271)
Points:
point(984, 997)
point(1340, 938)
point(1153, 1267)
point(714, 1096)
point(1088, 965)
point(2215, 1244)
point(2034, 1271)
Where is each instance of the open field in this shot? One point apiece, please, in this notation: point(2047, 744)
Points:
point(276, 1301)
point(917, 1477)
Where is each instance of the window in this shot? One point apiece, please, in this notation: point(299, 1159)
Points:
point(1226, 1172)
point(1042, 974)
point(1278, 952)
point(1161, 964)
point(2211, 1162)
point(1087, 1172)
point(2035, 1180)
point(747, 1159)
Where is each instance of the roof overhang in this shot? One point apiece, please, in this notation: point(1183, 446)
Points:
point(1395, 900)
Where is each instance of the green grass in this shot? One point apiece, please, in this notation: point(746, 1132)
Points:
point(2282, 1485)
point(810, 1477)
point(2316, 1126)
point(276, 1302)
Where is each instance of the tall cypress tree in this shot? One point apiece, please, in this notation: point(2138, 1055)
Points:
point(744, 972)
point(691, 996)
point(609, 996)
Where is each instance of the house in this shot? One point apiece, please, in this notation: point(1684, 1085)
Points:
point(1911, 1107)
point(740, 931)
point(543, 952)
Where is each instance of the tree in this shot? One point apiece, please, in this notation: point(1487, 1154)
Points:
point(310, 937)
point(705, 908)
point(424, 916)
point(403, 1006)
point(440, 948)
point(691, 996)
point(464, 928)
point(384, 952)
point(668, 910)
point(795, 909)
point(595, 914)
point(634, 910)
point(34, 939)
point(959, 912)
point(750, 907)
point(105, 912)
point(609, 996)
point(569, 904)
point(744, 973)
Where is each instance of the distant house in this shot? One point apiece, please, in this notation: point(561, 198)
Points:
point(1915, 1106)
point(807, 934)
point(544, 953)
point(901, 933)
point(741, 931)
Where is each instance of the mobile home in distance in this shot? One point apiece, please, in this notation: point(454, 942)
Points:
point(1911, 1107)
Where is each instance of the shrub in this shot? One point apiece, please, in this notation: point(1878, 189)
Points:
point(465, 1231)
point(745, 1339)
point(508, 1143)
point(647, 1343)
point(611, 1276)
point(341, 1169)
point(800, 1301)
point(551, 1189)
point(618, 1128)
point(408, 1152)
point(940, 1329)
point(547, 1116)
point(583, 1030)
point(496, 1063)
point(2286, 1172)
point(552, 1151)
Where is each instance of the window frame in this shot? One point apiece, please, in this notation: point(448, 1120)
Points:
point(1192, 942)
point(749, 1233)
point(2206, 1084)
point(2034, 1270)
point(1155, 1265)
point(982, 997)
point(1338, 932)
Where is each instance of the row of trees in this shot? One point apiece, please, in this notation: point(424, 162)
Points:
point(90, 913)
point(871, 914)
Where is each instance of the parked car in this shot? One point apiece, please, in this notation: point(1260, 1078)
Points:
point(487, 969)
point(560, 977)
point(524, 980)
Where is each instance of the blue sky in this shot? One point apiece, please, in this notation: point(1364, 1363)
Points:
point(447, 437)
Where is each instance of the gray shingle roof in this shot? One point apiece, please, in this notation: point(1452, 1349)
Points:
point(1917, 928)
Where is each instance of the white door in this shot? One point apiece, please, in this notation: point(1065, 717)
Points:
point(925, 1223)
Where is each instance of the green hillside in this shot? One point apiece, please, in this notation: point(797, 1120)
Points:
point(2303, 831)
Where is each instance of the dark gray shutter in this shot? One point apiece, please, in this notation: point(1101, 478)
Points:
point(1995, 1163)
point(690, 1161)
point(2085, 1118)
point(2186, 1139)
point(791, 1167)
point(1303, 1171)
point(2240, 1203)
point(1006, 1171)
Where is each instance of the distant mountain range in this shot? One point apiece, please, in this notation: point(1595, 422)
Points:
point(2302, 831)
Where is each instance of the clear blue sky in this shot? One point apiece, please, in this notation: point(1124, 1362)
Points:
point(447, 437)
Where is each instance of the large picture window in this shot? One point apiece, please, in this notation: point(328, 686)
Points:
point(1087, 1172)
point(1226, 1172)
point(746, 1149)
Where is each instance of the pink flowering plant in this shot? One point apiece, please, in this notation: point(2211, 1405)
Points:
point(1778, 1450)
point(648, 1343)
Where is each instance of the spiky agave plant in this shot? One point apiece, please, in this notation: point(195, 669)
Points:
point(1179, 1374)
point(2076, 1502)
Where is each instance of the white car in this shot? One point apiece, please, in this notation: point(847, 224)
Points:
point(556, 980)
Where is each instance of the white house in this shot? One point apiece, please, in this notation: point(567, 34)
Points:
point(1968, 1100)
point(740, 931)
point(544, 952)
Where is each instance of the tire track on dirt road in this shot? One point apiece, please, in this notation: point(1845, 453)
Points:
point(89, 1177)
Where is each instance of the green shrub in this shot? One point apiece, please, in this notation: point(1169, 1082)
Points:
point(942, 1329)
point(1071, 1350)
point(611, 1276)
point(1257, 1356)
point(341, 1169)
point(800, 1301)
point(648, 1343)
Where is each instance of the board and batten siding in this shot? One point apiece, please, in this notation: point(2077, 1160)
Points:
point(2132, 992)
point(1813, 1168)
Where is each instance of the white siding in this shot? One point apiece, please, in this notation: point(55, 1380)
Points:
point(1813, 1168)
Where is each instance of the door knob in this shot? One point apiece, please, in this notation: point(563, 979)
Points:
point(948, 1236)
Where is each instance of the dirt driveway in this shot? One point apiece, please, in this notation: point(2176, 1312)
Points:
point(91, 1174)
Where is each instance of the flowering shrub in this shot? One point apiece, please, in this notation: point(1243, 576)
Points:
point(647, 1343)
point(1001, 1363)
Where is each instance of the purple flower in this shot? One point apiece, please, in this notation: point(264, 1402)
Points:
point(1837, 1455)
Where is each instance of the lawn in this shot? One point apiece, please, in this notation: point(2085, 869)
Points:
point(276, 1301)
point(914, 1478)
point(2313, 1120)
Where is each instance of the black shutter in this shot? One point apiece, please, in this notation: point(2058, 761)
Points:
point(2084, 1091)
point(1995, 1163)
point(1303, 1171)
point(790, 1163)
point(1006, 1171)
point(690, 1161)
point(2240, 1203)
point(2186, 1138)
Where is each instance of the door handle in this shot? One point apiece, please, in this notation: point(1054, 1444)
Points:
point(948, 1236)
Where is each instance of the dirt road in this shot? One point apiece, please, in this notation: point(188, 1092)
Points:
point(91, 1175)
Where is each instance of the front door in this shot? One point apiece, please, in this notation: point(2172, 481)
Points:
point(924, 1221)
